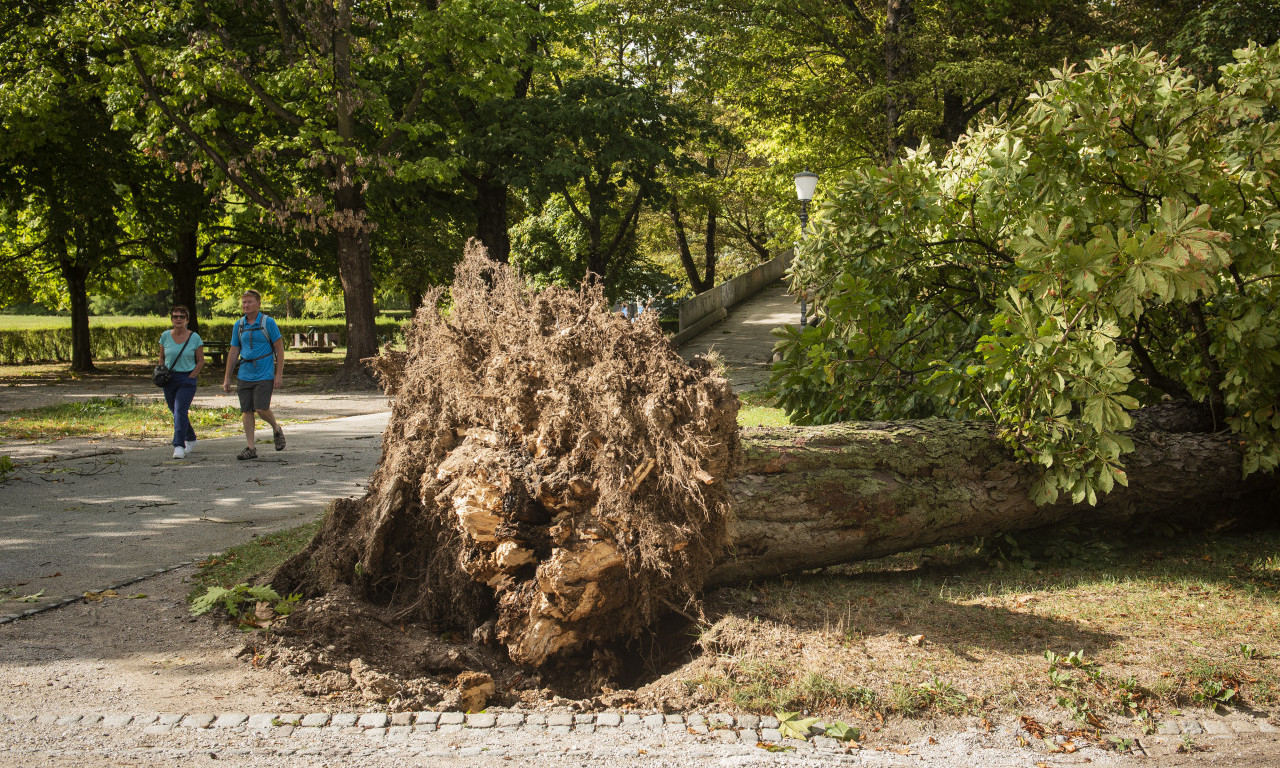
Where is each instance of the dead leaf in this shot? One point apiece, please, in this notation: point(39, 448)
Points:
point(916, 640)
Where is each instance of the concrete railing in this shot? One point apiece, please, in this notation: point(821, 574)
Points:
point(710, 307)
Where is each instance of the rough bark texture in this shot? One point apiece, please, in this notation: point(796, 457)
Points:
point(808, 497)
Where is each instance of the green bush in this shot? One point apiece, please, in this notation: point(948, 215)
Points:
point(140, 337)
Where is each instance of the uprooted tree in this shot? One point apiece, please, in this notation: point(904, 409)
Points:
point(559, 474)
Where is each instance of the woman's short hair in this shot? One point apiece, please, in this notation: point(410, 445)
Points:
point(181, 310)
point(252, 293)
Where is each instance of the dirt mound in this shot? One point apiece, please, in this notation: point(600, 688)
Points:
point(553, 475)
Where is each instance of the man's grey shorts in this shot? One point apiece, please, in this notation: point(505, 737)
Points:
point(255, 395)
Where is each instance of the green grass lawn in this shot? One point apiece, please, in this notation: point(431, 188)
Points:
point(113, 417)
point(33, 322)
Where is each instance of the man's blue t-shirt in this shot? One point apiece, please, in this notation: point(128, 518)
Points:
point(254, 340)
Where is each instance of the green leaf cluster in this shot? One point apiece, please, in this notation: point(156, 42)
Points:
point(1112, 247)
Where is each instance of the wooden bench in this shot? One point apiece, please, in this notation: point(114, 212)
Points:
point(314, 341)
point(216, 352)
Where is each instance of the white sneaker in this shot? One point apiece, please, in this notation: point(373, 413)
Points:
point(191, 446)
point(179, 452)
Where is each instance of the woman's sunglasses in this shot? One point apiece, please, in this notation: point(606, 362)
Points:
point(177, 317)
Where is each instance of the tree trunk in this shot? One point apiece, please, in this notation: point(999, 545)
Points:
point(491, 218)
point(356, 273)
point(809, 497)
point(77, 278)
point(898, 17)
point(186, 267)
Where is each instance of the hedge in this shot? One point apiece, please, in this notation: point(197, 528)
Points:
point(141, 337)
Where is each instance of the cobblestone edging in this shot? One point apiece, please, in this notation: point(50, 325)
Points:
point(5, 619)
point(741, 729)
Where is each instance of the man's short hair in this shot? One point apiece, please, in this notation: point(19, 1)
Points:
point(252, 293)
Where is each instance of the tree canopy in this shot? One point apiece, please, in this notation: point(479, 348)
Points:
point(1112, 247)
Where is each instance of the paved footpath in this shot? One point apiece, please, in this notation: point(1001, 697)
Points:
point(745, 338)
point(92, 517)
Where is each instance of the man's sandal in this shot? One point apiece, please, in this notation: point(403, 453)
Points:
point(279, 438)
point(248, 453)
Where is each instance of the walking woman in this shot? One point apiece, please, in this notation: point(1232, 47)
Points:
point(182, 352)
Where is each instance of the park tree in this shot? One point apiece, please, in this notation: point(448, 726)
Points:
point(305, 108)
point(1111, 248)
point(63, 167)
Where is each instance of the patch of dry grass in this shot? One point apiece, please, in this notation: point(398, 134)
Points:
point(1161, 628)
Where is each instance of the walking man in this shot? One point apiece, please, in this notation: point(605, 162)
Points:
point(257, 349)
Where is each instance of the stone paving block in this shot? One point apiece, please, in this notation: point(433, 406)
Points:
point(68, 720)
point(1169, 728)
point(399, 732)
point(632, 718)
point(284, 730)
point(156, 730)
point(558, 729)
point(1243, 725)
point(47, 720)
point(509, 719)
point(402, 718)
point(200, 720)
point(230, 720)
point(559, 718)
point(315, 720)
point(375, 733)
point(673, 728)
point(451, 727)
point(585, 728)
point(307, 731)
point(261, 721)
point(344, 720)
point(1217, 728)
point(749, 721)
point(699, 729)
point(1191, 727)
point(720, 720)
point(695, 720)
point(425, 717)
point(373, 720)
point(91, 720)
point(584, 717)
point(482, 720)
point(748, 735)
point(770, 734)
point(796, 744)
point(1266, 727)
point(536, 718)
point(673, 719)
point(769, 722)
point(290, 718)
point(452, 718)
point(169, 719)
point(726, 735)
point(425, 728)
point(825, 743)
point(116, 721)
point(654, 720)
point(608, 719)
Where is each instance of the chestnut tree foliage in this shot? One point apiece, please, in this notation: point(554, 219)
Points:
point(1113, 247)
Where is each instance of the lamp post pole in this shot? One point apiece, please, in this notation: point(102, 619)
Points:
point(806, 183)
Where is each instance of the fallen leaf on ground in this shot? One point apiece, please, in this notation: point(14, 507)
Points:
point(916, 639)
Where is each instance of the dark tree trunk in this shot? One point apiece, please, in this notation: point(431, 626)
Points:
point(898, 17)
point(185, 270)
point(817, 496)
point(356, 273)
point(696, 281)
point(77, 293)
point(491, 218)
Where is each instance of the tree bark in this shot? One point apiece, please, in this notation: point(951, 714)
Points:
point(809, 497)
point(899, 15)
point(184, 271)
point(491, 218)
point(77, 279)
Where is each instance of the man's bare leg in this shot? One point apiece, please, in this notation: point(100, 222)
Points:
point(246, 418)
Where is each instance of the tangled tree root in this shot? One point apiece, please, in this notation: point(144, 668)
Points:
point(549, 466)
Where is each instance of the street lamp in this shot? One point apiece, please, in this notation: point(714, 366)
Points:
point(806, 183)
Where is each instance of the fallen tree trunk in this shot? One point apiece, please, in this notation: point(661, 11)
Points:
point(809, 497)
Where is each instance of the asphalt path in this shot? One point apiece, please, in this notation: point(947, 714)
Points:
point(96, 515)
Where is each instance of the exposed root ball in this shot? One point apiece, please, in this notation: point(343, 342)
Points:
point(547, 462)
